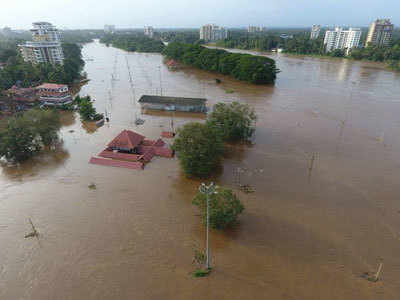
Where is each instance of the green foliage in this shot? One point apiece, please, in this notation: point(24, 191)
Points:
point(133, 42)
point(86, 109)
point(18, 70)
point(225, 207)
point(199, 149)
point(186, 36)
point(234, 121)
point(389, 55)
point(26, 134)
point(201, 273)
point(254, 69)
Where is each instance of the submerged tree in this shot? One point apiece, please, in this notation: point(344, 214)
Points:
point(225, 207)
point(199, 149)
point(24, 135)
point(234, 121)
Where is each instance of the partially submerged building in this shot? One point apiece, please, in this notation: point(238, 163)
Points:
point(131, 150)
point(52, 94)
point(22, 95)
point(173, 103)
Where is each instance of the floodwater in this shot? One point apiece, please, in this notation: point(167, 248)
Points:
point(325, 166)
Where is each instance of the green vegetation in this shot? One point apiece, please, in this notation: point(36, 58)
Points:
point(133, 42)
point(199, 149)
point(246, 67)
point(28, 74)
point(234, 122)
point(200, 146)
point(201, 273)
point(86, 109)
point(26, 134)
point(225, 207)
point(187, 36)
point(389, 55)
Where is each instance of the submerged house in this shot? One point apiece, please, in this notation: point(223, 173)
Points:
point(131, 150)
point(24, 95)
point(183, 104)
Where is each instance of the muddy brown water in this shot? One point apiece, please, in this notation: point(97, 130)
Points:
point(303, 235)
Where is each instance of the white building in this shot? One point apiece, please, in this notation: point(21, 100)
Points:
point(212, 33)
point(109, 28)
point(149, 31)
point(342, 39)
point(45, 46)
point(315, 31)
point(252, 29)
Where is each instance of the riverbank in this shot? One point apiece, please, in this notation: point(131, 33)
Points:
point(383, 65)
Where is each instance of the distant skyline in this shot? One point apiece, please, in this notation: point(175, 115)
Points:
point(94, 14)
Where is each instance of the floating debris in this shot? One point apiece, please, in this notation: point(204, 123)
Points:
point(34, 232)
point(92, 186)
point(247, 189)
point(71, 131)
point(139, 121)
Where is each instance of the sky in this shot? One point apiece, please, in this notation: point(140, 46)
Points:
point(85, 14)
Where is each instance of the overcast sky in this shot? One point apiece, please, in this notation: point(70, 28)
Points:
point(74, 14)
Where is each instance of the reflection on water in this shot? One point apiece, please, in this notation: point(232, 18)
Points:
point(300, 237)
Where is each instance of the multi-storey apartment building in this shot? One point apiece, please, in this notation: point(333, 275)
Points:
point(45, 46)
point(342, 39)
point(315, 31)
point(212, 32)
point(252, 29)
point(380, 33)
point(149, 31)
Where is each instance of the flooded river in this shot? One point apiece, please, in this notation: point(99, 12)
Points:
point(325, 166)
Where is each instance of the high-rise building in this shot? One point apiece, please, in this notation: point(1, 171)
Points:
point(109, 28)
point(380, 33)
point(7, 31)
point(315, 31)
point(252, 29)
point(212, 32)
point(149, 31)
point(342, 39)
point(45, 46)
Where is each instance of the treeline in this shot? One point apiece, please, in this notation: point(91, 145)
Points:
point(247, 42)
point(133, 42)
point(389, 55)
point(16, 70)
point(187, 37)
point(246, 67)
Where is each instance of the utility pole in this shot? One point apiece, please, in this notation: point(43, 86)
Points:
point(159, 69)
point(208, 191)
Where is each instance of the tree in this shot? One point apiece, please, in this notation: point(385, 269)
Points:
point(26, 134)
point(225, 207)
point(199, 149)
point(234, 122)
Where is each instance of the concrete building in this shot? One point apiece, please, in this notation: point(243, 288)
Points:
point(380, 33)
point(6, 31)
point(197, 105)
point(342, 39)
point(45, 46)
point(315, 31)
point(52, 94)
point(212, 33)
point(109, 28)
point(253, 29)
point(149, 31)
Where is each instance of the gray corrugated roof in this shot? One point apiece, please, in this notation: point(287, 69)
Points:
point(172, 100)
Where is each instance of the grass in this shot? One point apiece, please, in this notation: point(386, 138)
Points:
point(201, 273)
point(230, 91)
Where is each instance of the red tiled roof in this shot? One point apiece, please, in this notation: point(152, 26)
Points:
point(116, 155)
point(127, 140)
point(117, 163)
point(51, 86)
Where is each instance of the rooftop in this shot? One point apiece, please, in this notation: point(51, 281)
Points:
point(172, 100)
point(51, 86)
point(126, 140)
